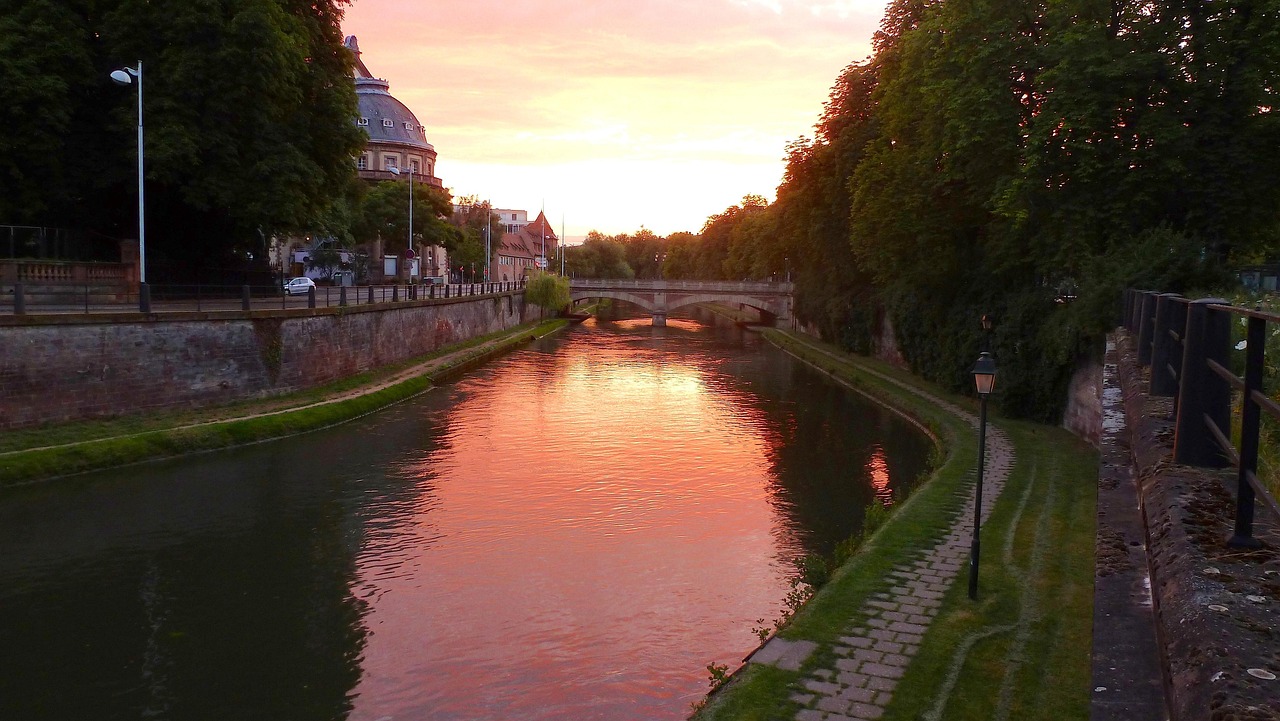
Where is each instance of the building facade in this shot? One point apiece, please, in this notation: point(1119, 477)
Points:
point(397, 147)
point(532, 245)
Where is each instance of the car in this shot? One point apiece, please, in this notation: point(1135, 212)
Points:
point(298, 285)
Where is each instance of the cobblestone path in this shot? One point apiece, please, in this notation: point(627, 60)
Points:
point(885, 633)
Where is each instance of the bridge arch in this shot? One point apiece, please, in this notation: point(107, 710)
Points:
point(760, 304)
point(641, 301)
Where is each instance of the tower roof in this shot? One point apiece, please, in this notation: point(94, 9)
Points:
point(383, 117)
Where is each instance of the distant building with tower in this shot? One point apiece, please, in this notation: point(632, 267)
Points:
point(525, 246)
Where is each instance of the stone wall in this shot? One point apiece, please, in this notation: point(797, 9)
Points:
point(65, 368)
point(1083, 414)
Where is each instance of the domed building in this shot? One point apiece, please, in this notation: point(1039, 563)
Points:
point(396, 138)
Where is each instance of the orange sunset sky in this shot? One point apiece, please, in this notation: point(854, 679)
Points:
point(614, 114)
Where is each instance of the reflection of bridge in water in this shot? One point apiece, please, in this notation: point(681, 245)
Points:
point(660, 297)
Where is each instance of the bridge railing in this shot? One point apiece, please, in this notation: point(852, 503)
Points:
point(722, 286)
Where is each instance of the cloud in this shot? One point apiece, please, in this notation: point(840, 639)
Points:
point(623, 88)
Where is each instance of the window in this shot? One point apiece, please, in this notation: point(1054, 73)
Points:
point(408, 126)
point(362, 121)
point(362, 162)
point(513, 216)
point(388, 124)
point(389, 162)
point(413, 166)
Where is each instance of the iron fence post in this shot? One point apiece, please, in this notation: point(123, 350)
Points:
point(342, 296)
point(144, 298)
point(1202, 393)
point(1146, 327)
point(1163, 383)
point(311, 297)
point(1250, 422)
point(19, 299)
point(244, 297)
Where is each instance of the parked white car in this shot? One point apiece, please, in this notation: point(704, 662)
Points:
point(298, 285)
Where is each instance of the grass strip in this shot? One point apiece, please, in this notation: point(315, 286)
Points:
point(1048, 667)
point(51, 462)
point(1022, 651)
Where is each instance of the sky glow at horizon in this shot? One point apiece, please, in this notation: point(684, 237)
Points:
point(613, 114)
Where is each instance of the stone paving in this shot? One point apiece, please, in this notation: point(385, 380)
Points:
point(886, 632)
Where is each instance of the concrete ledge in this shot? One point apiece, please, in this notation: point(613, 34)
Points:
point(1128, 677)
point(1217, 608)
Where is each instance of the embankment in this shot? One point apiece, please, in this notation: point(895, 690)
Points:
point(63, 368)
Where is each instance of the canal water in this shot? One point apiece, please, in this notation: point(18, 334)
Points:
point(571, 532)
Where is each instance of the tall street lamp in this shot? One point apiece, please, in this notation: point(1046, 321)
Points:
point(408, 255)
point(127, 76)
point(984, 377)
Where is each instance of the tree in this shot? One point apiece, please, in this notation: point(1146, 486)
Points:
point(547, 290)
point(599, 256)
point(384, 212)
point(249, 109)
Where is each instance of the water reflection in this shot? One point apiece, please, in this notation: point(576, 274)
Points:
point(572, 532)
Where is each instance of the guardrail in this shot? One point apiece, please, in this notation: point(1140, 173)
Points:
point(1187, 343)
point(746, 286)
point(20, 299)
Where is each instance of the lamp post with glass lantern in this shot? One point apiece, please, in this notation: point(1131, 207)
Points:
point(132, 76)
point(984, 377)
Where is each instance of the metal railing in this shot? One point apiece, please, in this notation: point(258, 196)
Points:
point(1187, 343)
point(723, 286)
point(20, 299)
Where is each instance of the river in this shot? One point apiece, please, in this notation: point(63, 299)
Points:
point(573, 531)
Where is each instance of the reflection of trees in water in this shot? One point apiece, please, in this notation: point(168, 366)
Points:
point(832, 452)
point(187, 589)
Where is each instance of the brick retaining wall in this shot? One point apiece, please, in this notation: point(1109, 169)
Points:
point(66, 368)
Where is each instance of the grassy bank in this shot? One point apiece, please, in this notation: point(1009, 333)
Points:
point(1024, 648)
point(74, 448)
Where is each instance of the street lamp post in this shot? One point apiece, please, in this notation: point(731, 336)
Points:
point(984, 377)
point(488, 258)
point(409, 255)
point(128, 76)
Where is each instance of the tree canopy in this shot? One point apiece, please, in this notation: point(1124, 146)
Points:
point(1024, 161)
point(249, 111)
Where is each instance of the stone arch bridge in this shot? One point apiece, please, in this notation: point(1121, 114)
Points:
point(660, 297)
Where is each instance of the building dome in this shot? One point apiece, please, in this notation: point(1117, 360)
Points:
point(377, 106)
point(396, 138)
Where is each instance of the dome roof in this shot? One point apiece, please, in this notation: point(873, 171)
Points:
point(386, 119)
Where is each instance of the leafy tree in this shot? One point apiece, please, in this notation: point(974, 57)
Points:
point(547, 290)
point(326, 259)
point(599, 256)
point(384, 212)
point(249, 113)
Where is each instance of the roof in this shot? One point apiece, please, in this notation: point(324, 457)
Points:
point(377, 105)
point(537, 239)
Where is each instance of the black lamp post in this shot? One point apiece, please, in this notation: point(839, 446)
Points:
point(984, 377)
